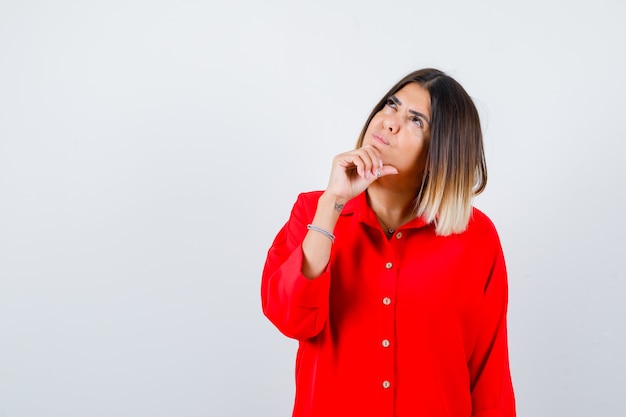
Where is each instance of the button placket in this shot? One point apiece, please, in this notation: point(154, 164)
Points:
point(387, 286)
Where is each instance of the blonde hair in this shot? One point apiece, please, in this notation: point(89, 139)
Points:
point(456, 169)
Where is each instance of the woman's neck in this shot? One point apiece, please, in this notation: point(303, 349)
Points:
point(392, 207)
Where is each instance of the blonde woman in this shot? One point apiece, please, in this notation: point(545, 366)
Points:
point(393, 284)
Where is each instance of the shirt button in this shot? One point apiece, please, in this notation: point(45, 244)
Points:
point(386, 384)
point(399, 235)
point(386, 301)
point(385, 343)
point(388, 265)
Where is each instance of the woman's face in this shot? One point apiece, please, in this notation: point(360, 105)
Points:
point(401, 131)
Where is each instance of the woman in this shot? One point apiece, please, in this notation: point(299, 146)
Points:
point(393, 284)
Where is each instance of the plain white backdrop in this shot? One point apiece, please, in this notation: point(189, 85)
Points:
point(150, 150)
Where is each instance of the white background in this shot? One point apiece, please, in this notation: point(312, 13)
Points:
point(150, 150)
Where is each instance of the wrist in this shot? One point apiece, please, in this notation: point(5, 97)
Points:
point(328, 200)
point(328, 211)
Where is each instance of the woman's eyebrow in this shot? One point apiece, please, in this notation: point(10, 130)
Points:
point(416, 113)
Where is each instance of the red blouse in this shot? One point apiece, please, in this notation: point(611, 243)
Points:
point(409, 326)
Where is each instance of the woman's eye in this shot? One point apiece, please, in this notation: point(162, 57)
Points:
point(391, 103)
point(417, 121)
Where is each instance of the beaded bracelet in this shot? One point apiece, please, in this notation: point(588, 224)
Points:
point(322, 231)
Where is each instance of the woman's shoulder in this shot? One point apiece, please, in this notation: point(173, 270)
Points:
point(308, 199)
point(481, 224)
point(306, 202)
point(310, 196)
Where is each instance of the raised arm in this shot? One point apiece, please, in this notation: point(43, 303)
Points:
point(296, 277)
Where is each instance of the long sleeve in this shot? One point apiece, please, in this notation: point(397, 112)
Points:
point(491, 387)
point(297, 306)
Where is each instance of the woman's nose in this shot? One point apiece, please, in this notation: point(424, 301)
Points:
point(390, 124)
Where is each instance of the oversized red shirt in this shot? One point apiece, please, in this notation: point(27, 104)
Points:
point(410, 326)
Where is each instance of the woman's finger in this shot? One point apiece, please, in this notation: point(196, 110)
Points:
point(373, 156)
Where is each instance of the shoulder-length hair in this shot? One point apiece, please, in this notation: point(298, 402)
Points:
point(456, 170)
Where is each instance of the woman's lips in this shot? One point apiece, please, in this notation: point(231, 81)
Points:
point(380, 139)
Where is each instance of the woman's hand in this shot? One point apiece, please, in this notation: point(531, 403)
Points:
point(354, 171)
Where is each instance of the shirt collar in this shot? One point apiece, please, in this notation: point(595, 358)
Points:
point(362, 212)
